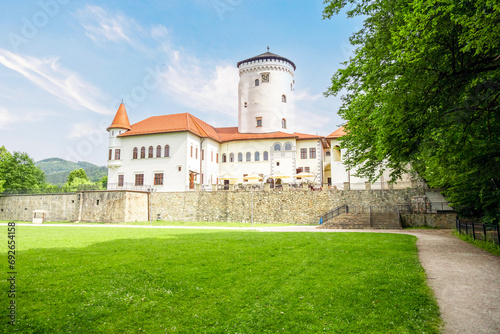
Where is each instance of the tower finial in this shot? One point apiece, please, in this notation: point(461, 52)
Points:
point(268, 48)
point(122, 101)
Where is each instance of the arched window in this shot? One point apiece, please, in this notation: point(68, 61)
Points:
point(167, 151)
point(283, 98)
point(256, 82)
point(288, 146)
point(257, 156)
point(240, 157)
point(336, 153)
point(231, 157)
point(328, 153)
point(224, 157)
point(150, 152)
point(110, 154)
point(134, 153)
point(158, 151)
point(249, 156)
point(266, 156)
point(283, 123)
point(143, 152)
point(277, 147)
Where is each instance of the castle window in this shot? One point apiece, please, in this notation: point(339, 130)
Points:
point(150, 152)
point(120, 180)
point(283, 98)
point(240, 157)
point(277, 147)
point(266, 156)
point(158, 179)
point(158, 151)
point(134, 153)
point(328, 153)
point(117, 154)
point(288, 147)
point(307, 169)
point(191, 151)
point(110, 154)
point(167, 151)
point(312, 153)
point(257, 156)
point(336, 153)
point(231, 157)
point(283, 123)
point(196, 152)
point(202, 154)
point(143, 152)
point(256, 82)
point(224, 158)
point(216, 158)
point(212, 156)
point(246, 104)
point(112, 133)
point(249, 156)
point(303, 153)
point(259, 121)
point(139, 179)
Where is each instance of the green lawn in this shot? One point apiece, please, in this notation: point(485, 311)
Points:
point(94, 280)
point(172, 223)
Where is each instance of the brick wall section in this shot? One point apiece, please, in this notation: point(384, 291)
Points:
point(299, 207)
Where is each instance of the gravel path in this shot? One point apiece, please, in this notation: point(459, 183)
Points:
point(465, 279)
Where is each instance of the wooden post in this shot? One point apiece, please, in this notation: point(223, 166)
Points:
point(484, 232)
point(473, 233)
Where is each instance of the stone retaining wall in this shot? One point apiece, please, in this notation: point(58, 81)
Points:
point(439, 220)
point(298, 207)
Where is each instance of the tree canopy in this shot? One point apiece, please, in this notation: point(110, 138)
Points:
point(422, 94)
point(18, 171)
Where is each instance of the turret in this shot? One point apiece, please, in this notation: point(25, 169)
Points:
point(266, 94)
point(119, 125)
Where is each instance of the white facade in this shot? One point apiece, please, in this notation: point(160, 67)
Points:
point(177, 152)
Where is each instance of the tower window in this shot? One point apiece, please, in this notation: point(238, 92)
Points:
point(283, 123)
point(283, 98)
point(246, 104)
point(117, 154)
point(256, 82)
point(110, 154)
point(259, 121)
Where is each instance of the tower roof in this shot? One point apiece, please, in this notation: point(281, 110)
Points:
point(121, 119)
point(267, 55)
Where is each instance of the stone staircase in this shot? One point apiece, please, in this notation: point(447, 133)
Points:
point(363, 221)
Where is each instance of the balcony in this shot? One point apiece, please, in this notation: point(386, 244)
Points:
point(114, 163)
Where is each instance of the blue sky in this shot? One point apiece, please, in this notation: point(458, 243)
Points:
point(66, 65)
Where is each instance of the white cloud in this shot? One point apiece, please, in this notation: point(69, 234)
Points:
point(7, 118)
point(64, 84)
point(102, 26)
point(200, 86)
point(159, 31)
point(304, 95)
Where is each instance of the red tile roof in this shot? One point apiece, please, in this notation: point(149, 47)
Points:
point(187, 122)
point(173, 123)
point(337, 133)
point(121, 119)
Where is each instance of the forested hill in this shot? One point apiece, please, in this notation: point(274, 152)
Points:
point(57, 170)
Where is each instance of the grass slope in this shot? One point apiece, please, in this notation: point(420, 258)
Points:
point(94, 280)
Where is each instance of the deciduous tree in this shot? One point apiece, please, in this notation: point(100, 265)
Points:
point(422, 90)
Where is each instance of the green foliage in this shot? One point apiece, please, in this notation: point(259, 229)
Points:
point(18, 171)
point(57, 170)
point(77, 174)
point(423, 95)
point(104, 182)
point(484, 245)
point(130, 280)
point(2, 182)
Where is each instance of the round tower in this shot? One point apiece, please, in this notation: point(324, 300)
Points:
point(119, 125)
point(266, 94)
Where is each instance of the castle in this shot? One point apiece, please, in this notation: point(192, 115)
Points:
point(180, 152)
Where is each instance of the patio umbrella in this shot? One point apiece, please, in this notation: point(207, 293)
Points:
point(304, 174)
point(252, 177)
point(279, 175)
point(228, 177)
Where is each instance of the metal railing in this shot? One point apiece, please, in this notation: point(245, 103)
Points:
point(485, 232)
point(334, 213)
